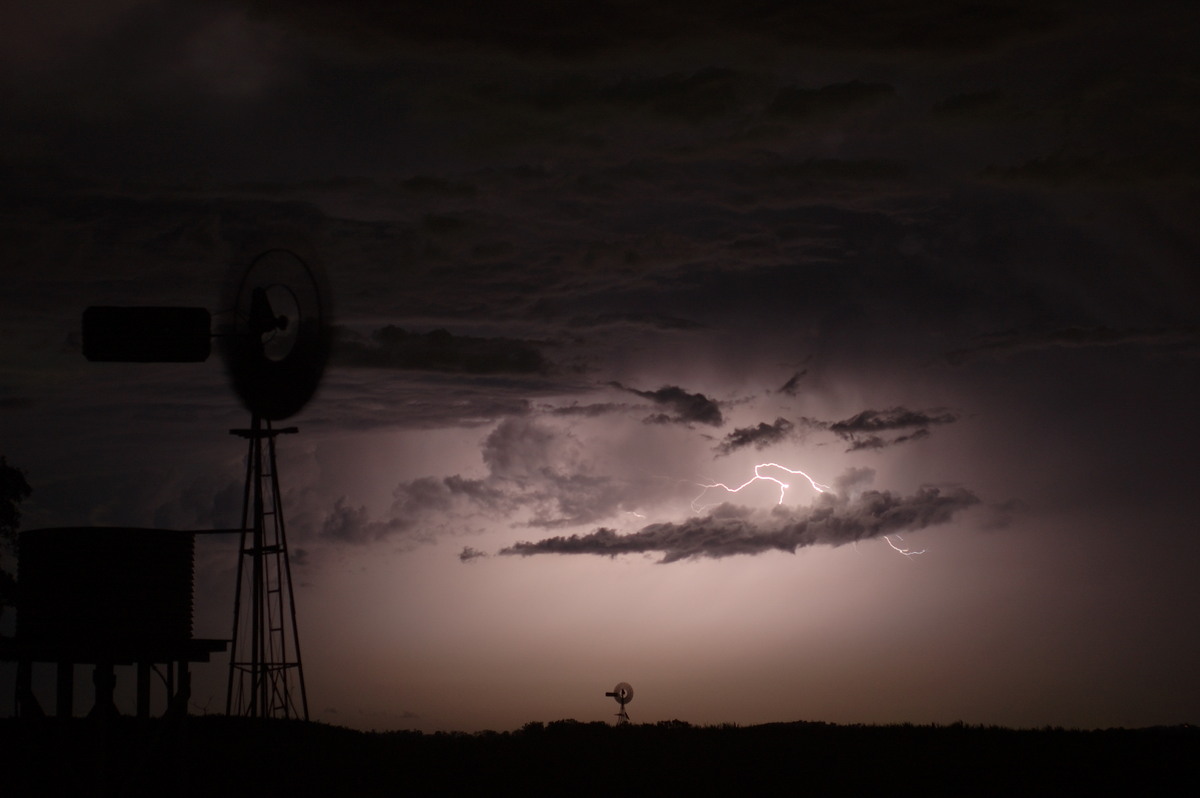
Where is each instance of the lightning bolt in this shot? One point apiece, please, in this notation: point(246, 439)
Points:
point(907, 552)
point(759, 476)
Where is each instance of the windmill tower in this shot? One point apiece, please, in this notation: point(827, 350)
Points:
point(275, 347)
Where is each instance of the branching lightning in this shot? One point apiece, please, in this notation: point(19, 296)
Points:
point(758, 475)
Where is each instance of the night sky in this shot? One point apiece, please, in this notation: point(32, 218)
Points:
point(588, 260)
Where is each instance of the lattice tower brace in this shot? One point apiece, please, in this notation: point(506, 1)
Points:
point(266, 674)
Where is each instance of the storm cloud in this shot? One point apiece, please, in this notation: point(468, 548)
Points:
point(470, 554)
point(537, 472)
point(589, 410)
point(878, 429)
point(1001, 345)
point(540, 30)
point(420, 509)
point(803, 103)
point(792, 385)
point(732, 529)
point(394, 347)
point(760, 437)
point(683, 407)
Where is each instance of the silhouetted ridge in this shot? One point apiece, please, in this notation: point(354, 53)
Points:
point(216, 755)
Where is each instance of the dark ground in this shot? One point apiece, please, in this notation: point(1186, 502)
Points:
point(218, 756)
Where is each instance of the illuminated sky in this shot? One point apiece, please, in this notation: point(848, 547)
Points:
point(942, 261)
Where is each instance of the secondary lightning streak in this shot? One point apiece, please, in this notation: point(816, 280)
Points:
point(907, 552)
point(758, 475)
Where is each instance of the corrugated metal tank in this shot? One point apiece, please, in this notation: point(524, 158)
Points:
point(113, 588)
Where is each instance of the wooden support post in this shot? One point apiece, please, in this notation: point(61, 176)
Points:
point(64, 696)
point(105, 681)
point(27, 703)
point(143, 690)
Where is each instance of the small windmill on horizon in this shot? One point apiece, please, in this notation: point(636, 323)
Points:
point(622, 694)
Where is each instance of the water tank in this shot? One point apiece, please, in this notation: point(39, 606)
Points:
point(105, 591)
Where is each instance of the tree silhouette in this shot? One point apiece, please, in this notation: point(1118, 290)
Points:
point(14, 489)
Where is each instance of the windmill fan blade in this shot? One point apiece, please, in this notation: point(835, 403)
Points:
point(277, 341)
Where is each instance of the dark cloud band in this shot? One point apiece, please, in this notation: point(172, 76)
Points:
point(760, 437)
point(731, 530)
point(879, 429)
point(394, 347)
point(684, 407)
point(1001, 345)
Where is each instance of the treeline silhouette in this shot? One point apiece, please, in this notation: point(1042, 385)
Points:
point(216, 755)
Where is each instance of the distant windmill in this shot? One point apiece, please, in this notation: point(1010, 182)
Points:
point(275, 343)
point(623, 694)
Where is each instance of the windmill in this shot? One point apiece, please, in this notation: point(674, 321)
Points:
point(275, 346)
point(623, 694)
point(275, 342)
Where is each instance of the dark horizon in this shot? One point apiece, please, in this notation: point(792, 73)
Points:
point(594, 758)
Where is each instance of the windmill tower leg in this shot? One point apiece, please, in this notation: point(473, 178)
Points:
point(266, 675)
